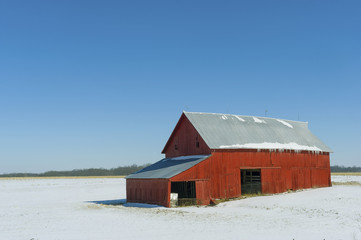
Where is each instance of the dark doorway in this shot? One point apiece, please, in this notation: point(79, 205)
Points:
point(186, 192)
point(250, 181)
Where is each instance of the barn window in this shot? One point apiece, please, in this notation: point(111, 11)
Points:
point(186, 192)
point(175, 146)
point(250, 181)
point(197, 142)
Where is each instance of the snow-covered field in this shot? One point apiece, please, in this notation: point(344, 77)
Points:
point(70, 209)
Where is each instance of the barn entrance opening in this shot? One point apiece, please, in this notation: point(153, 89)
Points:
point(250, 181)
point(186, 192)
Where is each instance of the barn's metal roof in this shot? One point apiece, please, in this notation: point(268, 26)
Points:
point(225, 131)
point(168, 167)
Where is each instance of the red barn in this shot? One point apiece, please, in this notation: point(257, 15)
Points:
point(219, 156)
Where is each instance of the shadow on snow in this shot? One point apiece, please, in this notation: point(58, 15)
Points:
point(123, 202)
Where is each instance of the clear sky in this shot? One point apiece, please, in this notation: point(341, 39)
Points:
point(102, 83)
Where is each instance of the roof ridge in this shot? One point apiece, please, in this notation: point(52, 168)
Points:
point(247, 116)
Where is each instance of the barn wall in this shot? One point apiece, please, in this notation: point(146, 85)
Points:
point(183, 141)
point(201, 174)
point(152, 191)
point(280, 171)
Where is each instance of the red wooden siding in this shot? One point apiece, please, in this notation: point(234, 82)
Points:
point(202, 192)
point(280, 171)
point(152, 191)
point(219, 176)
point(183, 141)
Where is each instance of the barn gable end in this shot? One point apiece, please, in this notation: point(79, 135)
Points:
point(185, 140)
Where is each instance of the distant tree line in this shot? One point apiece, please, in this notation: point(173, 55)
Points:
point(337, 168)
point(124, 171)
point(119, 171)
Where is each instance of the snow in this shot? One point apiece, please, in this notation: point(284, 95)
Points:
point(276, 145)
point(346, 179)
point(285, 123)
point(224, 117)
point(239, 118)
point(82, 209)
point(257, 120)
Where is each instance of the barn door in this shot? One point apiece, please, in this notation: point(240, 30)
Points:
point(250, 181)
point(186, 191)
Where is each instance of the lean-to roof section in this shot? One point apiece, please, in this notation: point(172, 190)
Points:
point(168, 167)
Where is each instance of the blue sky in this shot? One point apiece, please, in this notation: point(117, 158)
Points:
point(103, 83)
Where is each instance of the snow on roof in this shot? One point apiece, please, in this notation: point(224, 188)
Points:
point(221, 131)
point(257, 120)
point(239, 118)
point(285, 123)
point(224, 117)
point(266, 145)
